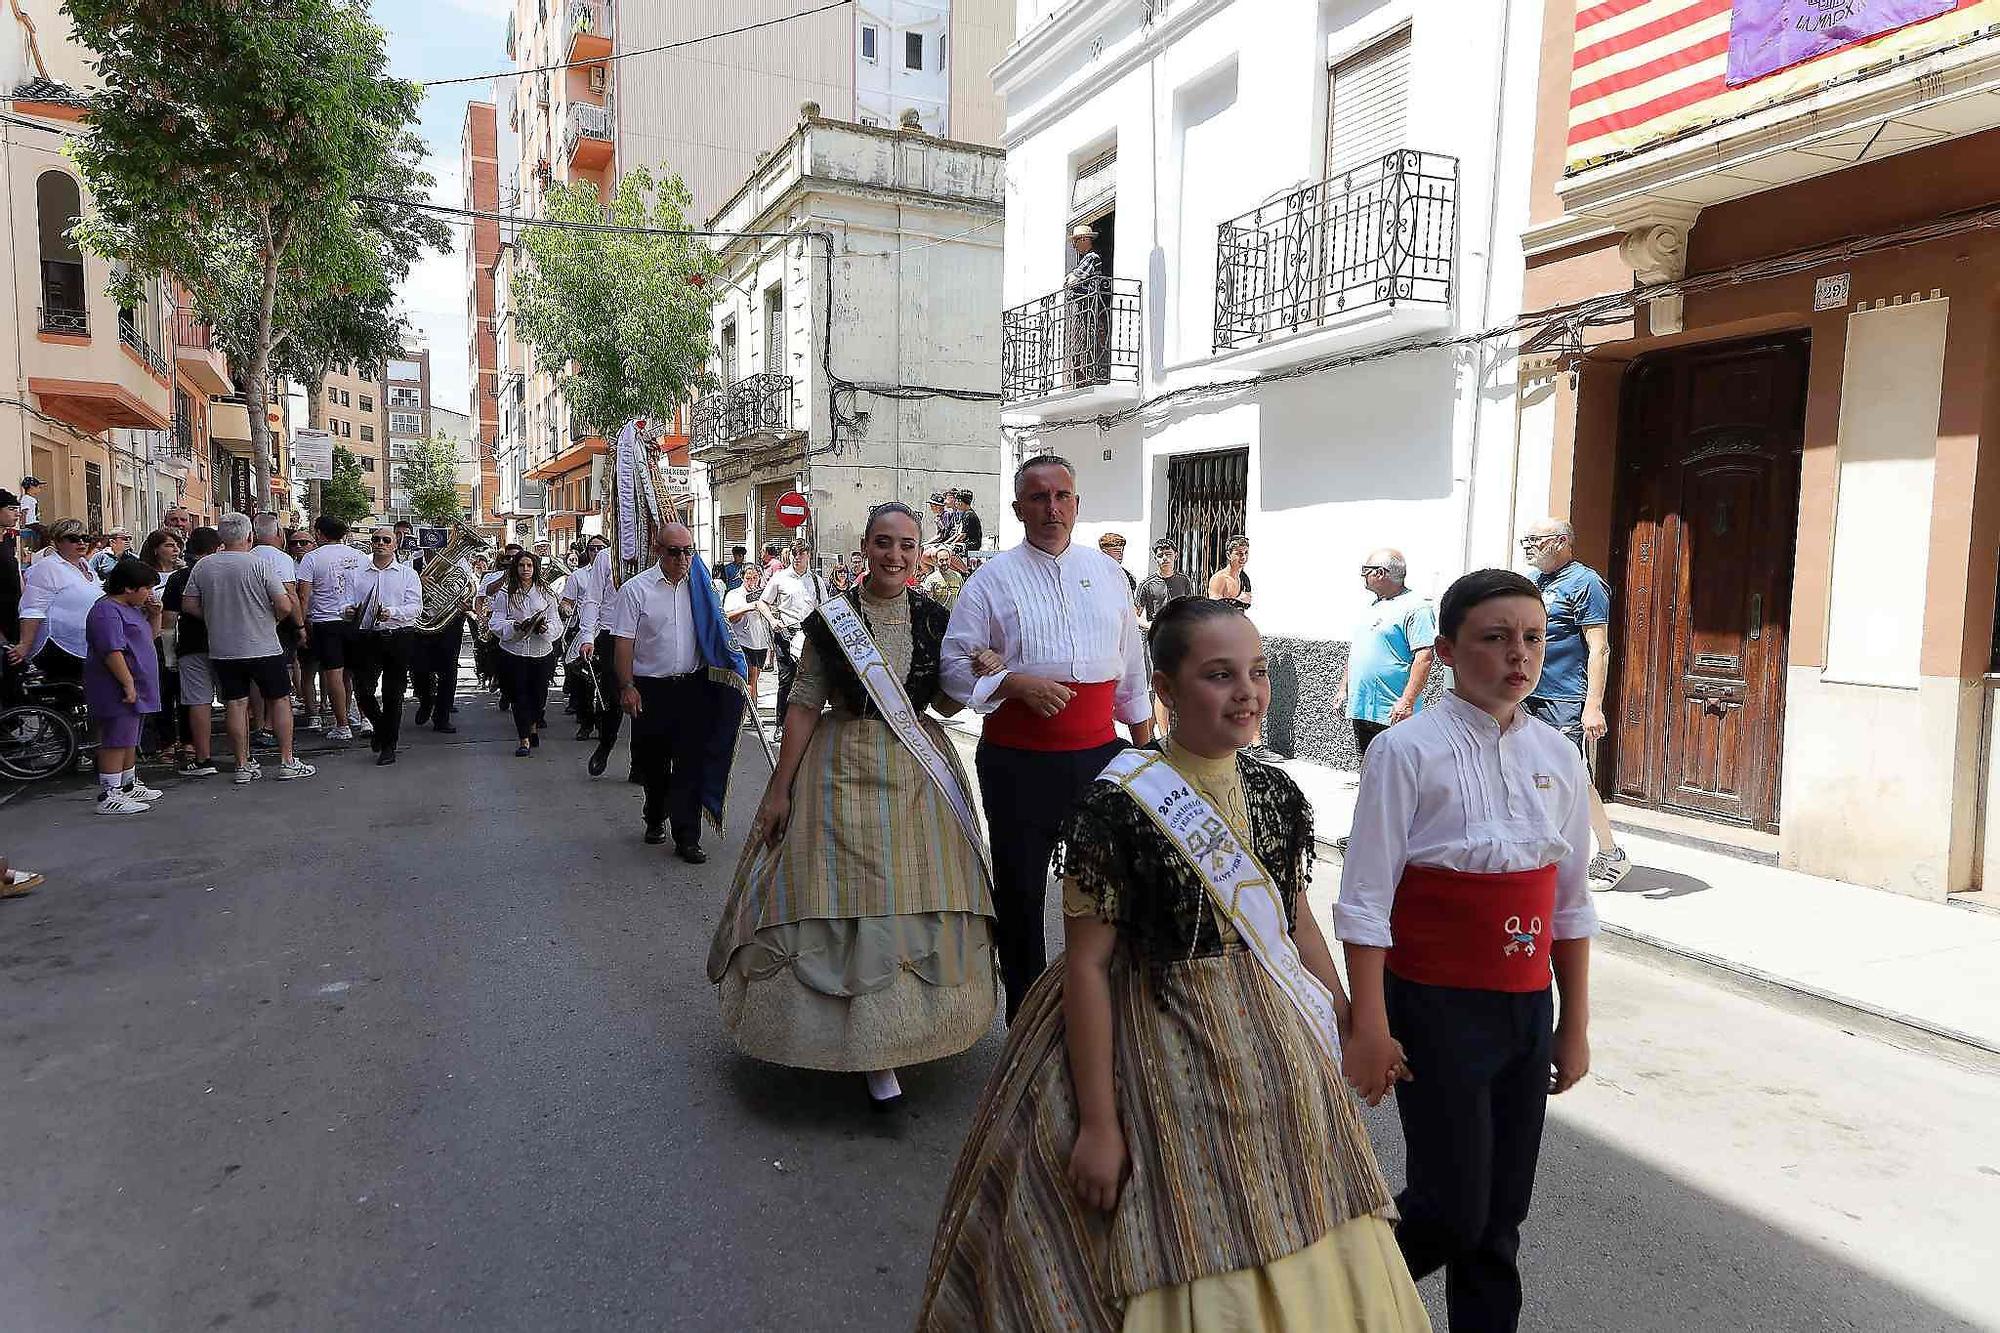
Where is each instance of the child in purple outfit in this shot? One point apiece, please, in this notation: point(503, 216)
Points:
point(121, 683)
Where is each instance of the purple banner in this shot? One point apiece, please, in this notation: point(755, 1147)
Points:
point(1766, 36)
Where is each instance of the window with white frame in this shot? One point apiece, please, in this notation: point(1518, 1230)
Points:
point(406, 423)
point(1367, 104)
point(913, 50)
point(870, 39)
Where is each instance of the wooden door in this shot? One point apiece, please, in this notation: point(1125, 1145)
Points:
point(1708, 503)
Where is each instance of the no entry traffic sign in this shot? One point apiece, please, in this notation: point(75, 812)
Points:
point(793, 510)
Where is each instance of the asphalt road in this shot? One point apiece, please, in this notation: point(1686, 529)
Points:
point(432, 1046)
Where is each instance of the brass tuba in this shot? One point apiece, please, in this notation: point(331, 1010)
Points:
point(448, 591)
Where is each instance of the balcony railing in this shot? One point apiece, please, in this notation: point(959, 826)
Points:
point(586, 123)
point(190, 330)
point(588, 20)
point(1071, 339)
point(59, 319)
point(63, 302)
point(181, 441)
point(756, 409)
point(1379, 235)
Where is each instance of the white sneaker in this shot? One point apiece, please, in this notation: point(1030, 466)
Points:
point(195, 768)
point(118, 803)
point(362, 727)
point(295, 769)
point(139, 791)
point(311, 722)
point(340, 733)
point(248, 773)
point(1607, 868)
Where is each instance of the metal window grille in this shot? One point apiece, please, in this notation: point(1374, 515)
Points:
point(755, 405)
point(1071, 339)
point(1380, 234)
point(1208, 498)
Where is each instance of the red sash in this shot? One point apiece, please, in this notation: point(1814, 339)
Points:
point(1084, 723)
point(1479, 932)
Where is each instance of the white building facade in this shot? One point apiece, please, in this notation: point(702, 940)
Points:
point(1275, 186)
point(809, 347)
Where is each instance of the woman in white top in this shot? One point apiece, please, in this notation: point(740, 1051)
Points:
point(524, 620)
point(751, 624)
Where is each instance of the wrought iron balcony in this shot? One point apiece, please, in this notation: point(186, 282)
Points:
point(181, 441)
point(587, 136)
point(753, 412)
point(1379, 235)
point(59, 319)
point(589, 30)
point(1076, 338)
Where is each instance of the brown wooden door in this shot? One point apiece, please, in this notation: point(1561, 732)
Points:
point(1708, 499)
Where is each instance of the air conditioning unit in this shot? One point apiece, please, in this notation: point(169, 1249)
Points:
point(597, 78)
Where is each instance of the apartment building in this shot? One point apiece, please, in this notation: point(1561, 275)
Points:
point(479, 149)
point(705, 111)
point(1273, 188)
point(909, 295)
point(406, 392)
point(1788, 472)
point(456, 429)
point(355, 412)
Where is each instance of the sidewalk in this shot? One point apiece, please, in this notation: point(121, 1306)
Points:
point(1930, 968)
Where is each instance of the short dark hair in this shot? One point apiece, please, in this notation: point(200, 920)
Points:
point(966, 495)
point(1042, 460)
point(405, 523)
point(1173, 629)
point(1481, 585)
point(128, 574)
point(739, 550)
point(330, 528)
point(202, 541)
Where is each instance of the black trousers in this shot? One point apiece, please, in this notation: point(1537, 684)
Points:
point(611, 715)
point(1365, 733)
point(435, 670)
point(669, 743)
point(578, 692)
point(384, 660)
point(788, 671)
point(527, 684)
point(1027, 794)
point(1472, 1121)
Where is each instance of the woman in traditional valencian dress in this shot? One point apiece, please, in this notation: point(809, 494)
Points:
point(1168, 1143)
point(859, 932)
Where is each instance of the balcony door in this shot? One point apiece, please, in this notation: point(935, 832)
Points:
point(1368, 104)
point(1208, 500)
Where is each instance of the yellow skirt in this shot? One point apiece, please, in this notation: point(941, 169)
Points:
point(1353, 1278)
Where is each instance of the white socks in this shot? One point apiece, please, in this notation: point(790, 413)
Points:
point(882, 1084)
point(108, 783)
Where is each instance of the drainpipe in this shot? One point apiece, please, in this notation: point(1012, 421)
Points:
point(1485, 320)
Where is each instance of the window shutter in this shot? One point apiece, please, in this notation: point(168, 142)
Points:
point(1096, 179)
point(1367, 108)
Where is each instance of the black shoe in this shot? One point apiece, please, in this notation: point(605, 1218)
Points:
point(385, 757)
point(535, 739)
point(598, 759)
point(375, 742)
point(444, 728)
point(423, 714)
point(655, 834)
point(584, 733)
point(522, 752)
point(692, 854)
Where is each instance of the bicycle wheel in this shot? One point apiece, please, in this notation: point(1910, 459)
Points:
point(35, 743)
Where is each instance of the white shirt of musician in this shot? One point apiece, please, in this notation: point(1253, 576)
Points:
point(327, 570)
point(511, 615)
point(1450, 789)
point(794, 596)
point(658, 617)
point(1068, 617)
point(590, 588)
point(397, 592)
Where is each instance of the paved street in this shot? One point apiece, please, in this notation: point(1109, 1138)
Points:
point(432, 1046)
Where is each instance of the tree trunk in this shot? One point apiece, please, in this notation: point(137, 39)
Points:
point(315, 413)
point(256, 392)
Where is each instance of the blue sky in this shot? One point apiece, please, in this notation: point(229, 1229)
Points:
point(431, 39)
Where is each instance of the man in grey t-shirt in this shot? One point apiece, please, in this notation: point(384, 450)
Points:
point(241, 599)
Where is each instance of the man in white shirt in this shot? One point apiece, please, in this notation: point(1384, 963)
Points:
point(324, 575)
point(1060, 618)
point(596, 593)
point(384, 600)
point(663, 685)
point(578, 657)
point(792, 595)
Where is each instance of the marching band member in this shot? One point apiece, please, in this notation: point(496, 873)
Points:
point(385, 599)
point(1466, 878)
point(1168, 1144)
point(858, 935)
point(1060, 621)
point(596, 592)
point(523, 619)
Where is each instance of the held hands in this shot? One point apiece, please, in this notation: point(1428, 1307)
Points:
point(1570, 1059)
point(1046, 697)
point(628, 699)
point(1373, 1062)
point(1097, 1166)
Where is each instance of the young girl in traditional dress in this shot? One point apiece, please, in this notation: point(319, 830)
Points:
point(1168, 1143)
point(859, 933)
point(1466, 876)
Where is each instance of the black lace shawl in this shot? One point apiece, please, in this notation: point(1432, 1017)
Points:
point(1140, 882)
point(928, 618)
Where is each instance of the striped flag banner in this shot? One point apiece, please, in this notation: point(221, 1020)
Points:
point(1648, 69)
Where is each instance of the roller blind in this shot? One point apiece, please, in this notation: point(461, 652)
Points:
point(1367, 104)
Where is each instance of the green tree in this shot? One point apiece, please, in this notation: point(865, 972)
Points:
point(248, 150)
point(430, 475)
point(620, 319)
point(345, 497)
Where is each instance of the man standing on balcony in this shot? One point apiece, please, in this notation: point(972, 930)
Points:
point(1085, 312)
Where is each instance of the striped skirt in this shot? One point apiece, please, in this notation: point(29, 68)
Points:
point(1245, 1148)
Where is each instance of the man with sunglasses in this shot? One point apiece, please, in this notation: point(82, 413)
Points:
point(1576, 664)
point(385, 600)
point(1389, 658)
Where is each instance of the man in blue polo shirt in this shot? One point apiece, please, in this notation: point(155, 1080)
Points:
point(1390, 657)
point(1575, 665)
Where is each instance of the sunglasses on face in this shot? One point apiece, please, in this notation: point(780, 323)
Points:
point(382, 541)
point(1537, 543)
point(1367, 570)
point(678, 552)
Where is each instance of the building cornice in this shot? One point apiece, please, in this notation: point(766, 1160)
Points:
point(1060, 37)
